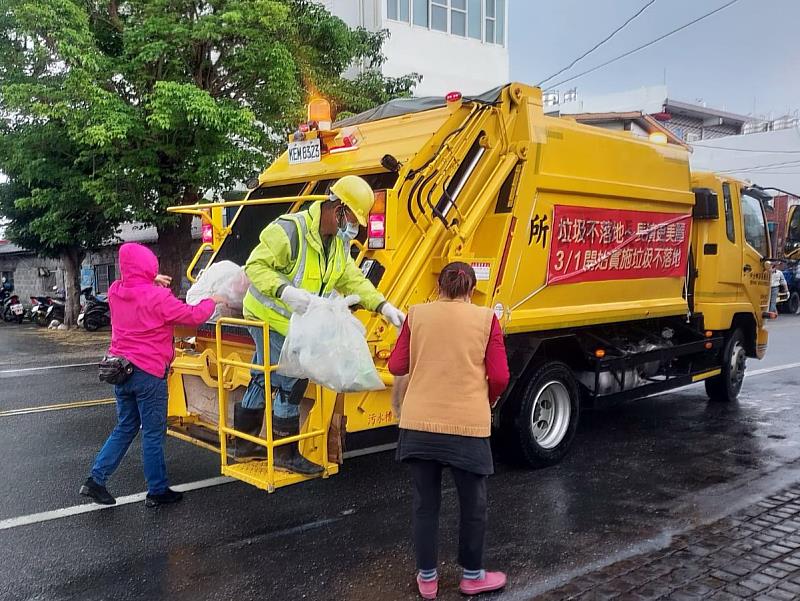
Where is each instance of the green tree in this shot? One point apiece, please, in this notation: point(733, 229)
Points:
point(174, 99)
point(46, 203)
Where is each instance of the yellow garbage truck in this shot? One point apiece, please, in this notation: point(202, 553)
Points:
point(616, 273)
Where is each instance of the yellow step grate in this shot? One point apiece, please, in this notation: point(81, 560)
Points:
point(256, 473)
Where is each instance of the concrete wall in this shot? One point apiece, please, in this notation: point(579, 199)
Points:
point(27, 281)
point(446, 62)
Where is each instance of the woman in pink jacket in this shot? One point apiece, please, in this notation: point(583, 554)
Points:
point(143, 313)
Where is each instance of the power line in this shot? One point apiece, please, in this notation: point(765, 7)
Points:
point(759, 167)
point(746, 149)
point(643, 46)
point(596, 46)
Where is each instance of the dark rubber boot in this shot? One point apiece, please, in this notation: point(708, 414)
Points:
point(288, 456)
point(248, 421)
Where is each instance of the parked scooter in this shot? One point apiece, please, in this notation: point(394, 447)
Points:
point(56, 310)
point(96, 312)
point(11, 307)
point(40, 312)
point(39, 306)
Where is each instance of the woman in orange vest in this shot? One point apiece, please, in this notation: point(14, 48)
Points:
point(455, 358)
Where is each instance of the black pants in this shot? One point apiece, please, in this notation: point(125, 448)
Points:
point(427, 479)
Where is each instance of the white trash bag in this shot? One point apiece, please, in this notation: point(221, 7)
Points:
point(328, 345)
point(225, 279)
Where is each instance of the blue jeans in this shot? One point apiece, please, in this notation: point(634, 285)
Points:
point(254, 396)
point(141, 402)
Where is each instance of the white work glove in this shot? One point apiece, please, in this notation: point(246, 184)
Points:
point(297, 299)
point(393, 315)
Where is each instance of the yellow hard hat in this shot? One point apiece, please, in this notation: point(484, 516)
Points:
point(356, 195)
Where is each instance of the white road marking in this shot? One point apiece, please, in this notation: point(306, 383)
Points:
point(65, 512)
point(769, 370)
point(370, 450)
point(27, 369)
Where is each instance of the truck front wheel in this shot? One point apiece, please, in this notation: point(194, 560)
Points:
point(725, 387)
point(793, 304)
point(548, 415)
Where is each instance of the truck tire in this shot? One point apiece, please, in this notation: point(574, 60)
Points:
point(793, 304)
point(725, 387)
point(548, 415)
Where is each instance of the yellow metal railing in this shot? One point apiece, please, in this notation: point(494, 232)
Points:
point(193, 263)
point(269, 442)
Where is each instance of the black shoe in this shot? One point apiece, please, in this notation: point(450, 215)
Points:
point(165, 498)
point(99, 494)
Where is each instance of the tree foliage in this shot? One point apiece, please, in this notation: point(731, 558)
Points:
point(171, 99)
point(45, 199)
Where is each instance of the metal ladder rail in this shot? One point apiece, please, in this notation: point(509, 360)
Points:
point(270, 443)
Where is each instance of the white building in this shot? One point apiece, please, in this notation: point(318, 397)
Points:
point(454, 44)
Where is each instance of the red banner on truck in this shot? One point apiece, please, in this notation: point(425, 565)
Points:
point(592, 244)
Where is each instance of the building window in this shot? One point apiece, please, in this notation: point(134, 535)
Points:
point(458, 17)
point(474, 17)
point(397, 10)
point(421, 13)
point(439, 15)
point(104, 274)
point(482, 20)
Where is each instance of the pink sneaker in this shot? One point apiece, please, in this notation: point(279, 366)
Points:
point(491, 581)
point(428, 588)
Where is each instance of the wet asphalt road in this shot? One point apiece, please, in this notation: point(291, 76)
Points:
point(638, 474)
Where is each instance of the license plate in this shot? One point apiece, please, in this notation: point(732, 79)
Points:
point(307, 151)
point(17, 309)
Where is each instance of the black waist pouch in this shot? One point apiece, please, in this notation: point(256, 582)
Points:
point(114, 370)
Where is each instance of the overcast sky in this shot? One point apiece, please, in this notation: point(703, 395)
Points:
point(745, 53)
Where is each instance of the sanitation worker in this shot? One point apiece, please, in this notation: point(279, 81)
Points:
point(301, 255)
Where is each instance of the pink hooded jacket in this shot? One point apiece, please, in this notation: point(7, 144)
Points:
point(142, 313)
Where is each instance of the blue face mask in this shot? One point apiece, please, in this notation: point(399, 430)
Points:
point(349, 232)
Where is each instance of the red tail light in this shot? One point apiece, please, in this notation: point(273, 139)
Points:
point(376, 222)
point(376, 231)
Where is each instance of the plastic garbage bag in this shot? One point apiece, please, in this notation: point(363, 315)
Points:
point(225, 279)
point(327, 345)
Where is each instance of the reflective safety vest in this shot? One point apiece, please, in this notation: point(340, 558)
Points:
point(308, 268)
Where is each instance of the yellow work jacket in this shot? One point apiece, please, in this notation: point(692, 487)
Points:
point(290, 252)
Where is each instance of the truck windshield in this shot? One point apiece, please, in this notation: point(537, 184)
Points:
point(250, 220)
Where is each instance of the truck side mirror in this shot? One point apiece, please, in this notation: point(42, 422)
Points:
point(706, 204)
